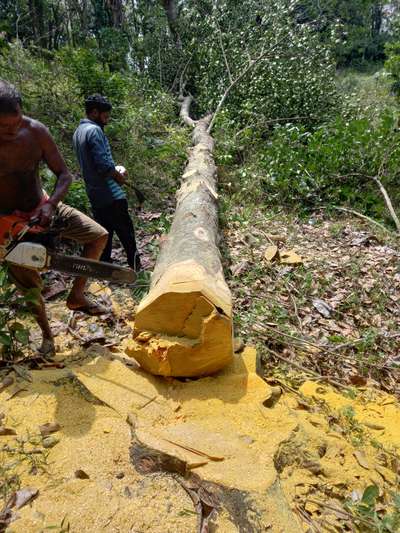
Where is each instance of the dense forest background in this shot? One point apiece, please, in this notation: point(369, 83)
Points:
point(305, 90)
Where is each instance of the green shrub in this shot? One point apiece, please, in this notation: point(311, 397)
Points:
point(333, 164)
point(392, 65)
point(14, 335)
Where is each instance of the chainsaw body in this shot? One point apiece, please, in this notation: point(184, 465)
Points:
point(26, 254)
point(17, 248)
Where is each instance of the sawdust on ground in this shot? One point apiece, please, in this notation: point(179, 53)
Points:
point(282, 458)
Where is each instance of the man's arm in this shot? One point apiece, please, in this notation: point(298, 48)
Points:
point(57, 165)
point(101, 158)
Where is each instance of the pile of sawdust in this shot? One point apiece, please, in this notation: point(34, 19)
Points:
point(150, 446)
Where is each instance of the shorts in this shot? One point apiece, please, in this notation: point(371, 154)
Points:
point(78, 227)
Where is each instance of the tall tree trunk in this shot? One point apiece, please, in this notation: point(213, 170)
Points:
point(184, 325)
point(376, 18)
point(117, 13)
point(171, 11)
point(34, 19)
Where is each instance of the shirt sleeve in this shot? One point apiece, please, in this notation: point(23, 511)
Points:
point(100, 152)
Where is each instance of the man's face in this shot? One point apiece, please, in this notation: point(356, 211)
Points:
point(10, 125)
point(105, 117)
point(101, 117)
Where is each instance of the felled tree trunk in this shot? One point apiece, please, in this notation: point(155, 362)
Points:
point(183, 327)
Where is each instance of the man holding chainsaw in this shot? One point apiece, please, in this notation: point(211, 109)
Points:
point(104, 180)
point(24, 144)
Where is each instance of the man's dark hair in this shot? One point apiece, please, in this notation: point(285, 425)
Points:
point(97, 101)
point(10, 99)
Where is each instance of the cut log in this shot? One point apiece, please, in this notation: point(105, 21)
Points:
point(183, 327)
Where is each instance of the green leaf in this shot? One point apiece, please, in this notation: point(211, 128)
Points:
point(22, 336)
point(16, 326)
point(32, 296)
point(5, 339)
point(3, 276)
point(370, 495)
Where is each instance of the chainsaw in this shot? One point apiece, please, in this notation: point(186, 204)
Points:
point(32, 247)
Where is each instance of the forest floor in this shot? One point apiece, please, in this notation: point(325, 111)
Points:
point(319, 300)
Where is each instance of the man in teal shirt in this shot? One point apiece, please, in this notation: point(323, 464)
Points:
point(104, 180)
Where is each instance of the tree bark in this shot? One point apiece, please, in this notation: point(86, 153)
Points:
point(116, 8)
point(171, 12)
point(183, 327)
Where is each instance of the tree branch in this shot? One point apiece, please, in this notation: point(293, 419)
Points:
point(384, 193)
point(360, 215)
point(184, 112)
point(388, 202)
point(221, 44)
point(252, 64)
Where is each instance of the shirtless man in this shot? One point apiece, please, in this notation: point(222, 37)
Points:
point(24, 144)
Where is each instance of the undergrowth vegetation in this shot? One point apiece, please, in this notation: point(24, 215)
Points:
point(317, 165)
point(144, 132)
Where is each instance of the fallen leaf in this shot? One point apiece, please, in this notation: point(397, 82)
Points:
point(322, 307)
point(361, 459)
point(53, 290)
point(358, 380)
point(271, 252)
point(24, 496)
point(23, 373)
point(277, 238)
point(289, 257)
point(81, 474)
point(313, 466)
point(239, 268)
point(16, 391)
point(7, 381)
point(50, 427)
point(149, 216)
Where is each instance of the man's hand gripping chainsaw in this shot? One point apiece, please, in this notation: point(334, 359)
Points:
point(18, 247)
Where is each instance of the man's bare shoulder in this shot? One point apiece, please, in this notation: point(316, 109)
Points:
point(35, 127)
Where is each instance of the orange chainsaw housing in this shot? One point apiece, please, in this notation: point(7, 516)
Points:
point(11, 225)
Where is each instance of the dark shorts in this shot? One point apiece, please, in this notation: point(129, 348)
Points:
point(78, 227)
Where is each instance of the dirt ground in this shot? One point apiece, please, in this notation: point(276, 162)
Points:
point(300, 433)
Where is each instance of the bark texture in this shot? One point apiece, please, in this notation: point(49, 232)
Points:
point(184, 325)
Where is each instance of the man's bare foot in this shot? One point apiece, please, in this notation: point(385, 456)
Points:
point(47, 350)
point(87, 305)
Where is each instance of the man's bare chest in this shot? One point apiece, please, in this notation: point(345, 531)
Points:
point(19, 157)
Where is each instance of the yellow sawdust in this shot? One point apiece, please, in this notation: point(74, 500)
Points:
point(279, 457)
point(377, 412)
point(95, 439)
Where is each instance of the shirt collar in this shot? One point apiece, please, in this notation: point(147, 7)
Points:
point(88, 121)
